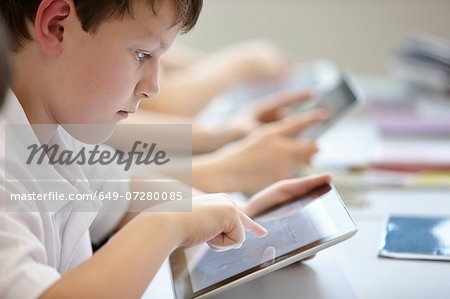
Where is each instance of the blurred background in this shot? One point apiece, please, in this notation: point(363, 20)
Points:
point(399, 52)
point(389, 155)
point(355, 34)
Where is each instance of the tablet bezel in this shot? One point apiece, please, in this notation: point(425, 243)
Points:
point(298, 254)
point(349, 82)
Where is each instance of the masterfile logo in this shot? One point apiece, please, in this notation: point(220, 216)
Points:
point(148, 155)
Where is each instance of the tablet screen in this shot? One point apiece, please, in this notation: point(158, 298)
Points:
point(295, 226)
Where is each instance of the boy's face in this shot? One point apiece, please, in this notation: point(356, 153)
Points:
point(102, 76)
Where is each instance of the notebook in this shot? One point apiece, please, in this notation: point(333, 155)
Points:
point(413, 237)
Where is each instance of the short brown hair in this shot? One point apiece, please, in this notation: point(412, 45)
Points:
point(4, 66)
point(92, 13)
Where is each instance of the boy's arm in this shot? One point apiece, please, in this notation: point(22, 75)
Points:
point(136, 207)
point(125, 265)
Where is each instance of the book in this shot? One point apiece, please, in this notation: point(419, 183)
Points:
point(417, 118)
point(412, 154)
point(417, 238)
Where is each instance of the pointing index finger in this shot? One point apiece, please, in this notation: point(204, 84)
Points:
point(251, 226)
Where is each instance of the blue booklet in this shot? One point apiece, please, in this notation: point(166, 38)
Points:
point(410, 237)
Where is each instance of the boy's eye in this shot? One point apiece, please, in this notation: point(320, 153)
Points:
point(142, 56)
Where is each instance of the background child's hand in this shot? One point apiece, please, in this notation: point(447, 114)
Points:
point(283, 191)
point(269, 109)
point(267, 155)
point(215, 219)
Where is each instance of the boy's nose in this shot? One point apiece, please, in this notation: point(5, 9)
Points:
point(147, 89)
point(148, 85)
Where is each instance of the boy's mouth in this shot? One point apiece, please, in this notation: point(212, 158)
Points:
point(124, 114)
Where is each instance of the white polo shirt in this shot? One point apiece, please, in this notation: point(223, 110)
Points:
point(37, 246)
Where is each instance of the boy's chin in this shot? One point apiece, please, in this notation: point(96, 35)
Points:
point(90, 133)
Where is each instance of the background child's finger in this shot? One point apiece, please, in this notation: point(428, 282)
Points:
point(295, 124)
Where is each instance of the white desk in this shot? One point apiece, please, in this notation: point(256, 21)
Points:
point(374, 277)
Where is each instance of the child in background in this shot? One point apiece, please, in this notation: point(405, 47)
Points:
point(248, 151)
point(190, 79)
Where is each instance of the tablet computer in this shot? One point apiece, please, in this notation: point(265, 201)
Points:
point(339, 101)
point(296, 229)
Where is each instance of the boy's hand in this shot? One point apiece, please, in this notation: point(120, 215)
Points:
point(283, 191)
point(216, 220)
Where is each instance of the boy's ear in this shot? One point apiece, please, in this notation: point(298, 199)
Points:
point(49, 24)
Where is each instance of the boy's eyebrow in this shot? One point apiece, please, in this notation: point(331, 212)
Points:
point(162, 45)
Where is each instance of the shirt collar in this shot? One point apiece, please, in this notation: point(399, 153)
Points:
point(13, 114)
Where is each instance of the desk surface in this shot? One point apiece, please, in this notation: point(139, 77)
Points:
point(352, 269)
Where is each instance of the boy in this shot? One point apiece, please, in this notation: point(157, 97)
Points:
point(90, 62)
